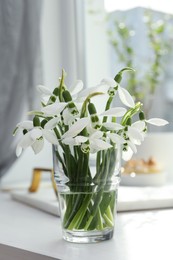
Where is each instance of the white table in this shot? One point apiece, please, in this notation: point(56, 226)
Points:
point(27, 233)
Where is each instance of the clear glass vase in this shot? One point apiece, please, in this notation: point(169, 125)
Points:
point(87, 187)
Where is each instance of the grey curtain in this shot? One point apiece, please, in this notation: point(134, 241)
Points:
point(20, 69)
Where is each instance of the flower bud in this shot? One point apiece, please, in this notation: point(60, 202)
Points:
point(71, 105)
point(36, 121)
point(66, 95)
point(129, 121)
point(53, 99)
point(43, 122)
point(25, 131)
point(56, 92)
point(92, 109)
point(141, 115)
point(118, 78)
point(94, 118)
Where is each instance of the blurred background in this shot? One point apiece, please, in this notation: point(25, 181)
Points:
point(91, 40)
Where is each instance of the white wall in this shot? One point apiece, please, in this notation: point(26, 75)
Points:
point(51, 44)
point(97, 55)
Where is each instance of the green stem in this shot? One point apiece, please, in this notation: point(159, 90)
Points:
point(131, 112)
point(72, 209)
point(75, 223)
point(108, 221)
point(108, 105)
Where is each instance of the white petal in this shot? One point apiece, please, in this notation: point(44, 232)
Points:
point(99, 145)
point(75, 141)
point(26, 141)
point(109, 82)
point(28, 124)
point(81, 139)
point(112, 126)
point(50, 136)
point(133, 147)
point(115, 138)
point(140, 125)
point(54, 109)
point(134, 134)
point(68, 117)
point(52, 123)
point(79, 105)
point(90, 129)
point(157, 121)
point(45, 99)
point(18, 150)
point(69, 141)
point(125, 97)
point(76, 128)
point(36, 133)
point(96, 134)
point(44, 90)
point(37, 146)
point(76, 88)
point(99, 88)
point(115, 111)
point(127, 155)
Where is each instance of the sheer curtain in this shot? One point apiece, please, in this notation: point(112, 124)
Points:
point(54, 28)
point(20, 68)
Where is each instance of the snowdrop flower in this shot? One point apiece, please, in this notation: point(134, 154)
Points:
point(76, 128)
point(93, 143)
point(112, 112)
point(96, 143)
point(54, 109)
point(114, 87)
point(68, 110)
point(34, 137)
point(61, 111)
point(47, 92)
point(134, 135)
point(111, 87)
point(25, 125)
point(48, 96)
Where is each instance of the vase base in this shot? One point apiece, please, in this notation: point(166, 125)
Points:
point(87, 236)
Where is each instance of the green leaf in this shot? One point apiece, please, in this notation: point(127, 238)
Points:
point(15, 131)
point(36, 113)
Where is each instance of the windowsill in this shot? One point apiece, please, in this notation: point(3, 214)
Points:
point(138, 235)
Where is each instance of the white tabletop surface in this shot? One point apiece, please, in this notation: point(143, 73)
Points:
point(27, 233)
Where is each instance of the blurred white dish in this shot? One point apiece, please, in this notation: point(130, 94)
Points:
point(143, 179)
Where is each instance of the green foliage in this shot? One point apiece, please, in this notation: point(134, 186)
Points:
point(152, 70)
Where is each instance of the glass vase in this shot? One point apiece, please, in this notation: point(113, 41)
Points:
point(87, 186)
